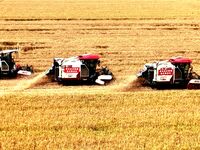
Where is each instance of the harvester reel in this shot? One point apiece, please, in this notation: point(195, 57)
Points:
point(27, 68)
point(105, 71)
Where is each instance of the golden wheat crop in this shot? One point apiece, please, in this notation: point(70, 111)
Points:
point(39, 114)
point(131, 120)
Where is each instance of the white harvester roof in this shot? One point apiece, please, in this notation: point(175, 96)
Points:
point(8, 51)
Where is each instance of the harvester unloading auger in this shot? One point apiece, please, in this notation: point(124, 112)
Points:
point(8, 67)
point(81, 68)
point(176, 72)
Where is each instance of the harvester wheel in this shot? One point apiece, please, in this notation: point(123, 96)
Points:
point(56, 73)
point(13, 73)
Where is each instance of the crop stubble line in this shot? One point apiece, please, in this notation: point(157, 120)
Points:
point(90, 19)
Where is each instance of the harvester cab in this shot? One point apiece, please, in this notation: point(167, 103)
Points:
point(183, 68)
point(8, 66)
point(79, 68)
point(175, 72)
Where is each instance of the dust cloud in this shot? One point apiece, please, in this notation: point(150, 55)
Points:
point(25, 84)
point(130, 83)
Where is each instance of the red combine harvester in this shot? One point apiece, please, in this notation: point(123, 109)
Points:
point(8, 67)
point(176, 72)
point(79, 68)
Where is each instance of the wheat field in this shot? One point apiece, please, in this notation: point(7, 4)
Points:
point(39, 114)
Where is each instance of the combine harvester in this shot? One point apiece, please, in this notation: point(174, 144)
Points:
point(8, 67)
point(79, 69)
point(173, 73)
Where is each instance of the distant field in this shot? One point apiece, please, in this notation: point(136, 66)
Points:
point(98, 9)
point(39, 114)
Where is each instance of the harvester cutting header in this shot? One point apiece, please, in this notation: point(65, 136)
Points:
point(80, 68)
point(175, 72)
